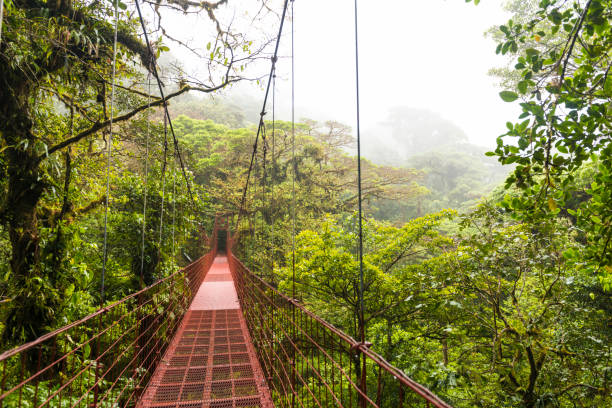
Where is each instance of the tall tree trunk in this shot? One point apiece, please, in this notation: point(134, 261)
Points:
point(28, 316)
point(444, 342)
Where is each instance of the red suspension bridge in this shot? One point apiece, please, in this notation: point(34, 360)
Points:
point(211, 335)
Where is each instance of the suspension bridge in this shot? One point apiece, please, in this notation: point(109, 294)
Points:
point(211, 335)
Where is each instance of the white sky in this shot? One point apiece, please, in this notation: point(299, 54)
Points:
point(417, 53)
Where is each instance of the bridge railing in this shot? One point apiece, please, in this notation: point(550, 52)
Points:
point(107, 358)
point(310, 363)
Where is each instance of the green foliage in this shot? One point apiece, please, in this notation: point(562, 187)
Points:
point(510, 307)
point(453, 173)
point(565, 124)
point(503, 315)
point(327, 271)
point(58, 60)
point(324, 182)
point(224, 111)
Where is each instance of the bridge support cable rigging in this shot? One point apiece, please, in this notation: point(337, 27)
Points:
point(362, 335)
point(165, 163)
point(262, 113)
point(273, 175)
point(263, 223)
point(146, 182)
point(109, 148)
point(153, 66)
point(293, 176)
point(173, 202)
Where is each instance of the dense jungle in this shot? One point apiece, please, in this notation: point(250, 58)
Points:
point(487, 270)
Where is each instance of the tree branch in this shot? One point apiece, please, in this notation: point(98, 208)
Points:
point(101, 125)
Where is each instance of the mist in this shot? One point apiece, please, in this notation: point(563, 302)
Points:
point(430, 55)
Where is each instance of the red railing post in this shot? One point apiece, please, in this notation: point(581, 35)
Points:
point(364, 385)
point(97, 366)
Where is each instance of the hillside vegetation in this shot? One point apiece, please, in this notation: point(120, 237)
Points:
point(487, 274)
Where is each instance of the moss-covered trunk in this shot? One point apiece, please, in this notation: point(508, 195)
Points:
point(29, 310)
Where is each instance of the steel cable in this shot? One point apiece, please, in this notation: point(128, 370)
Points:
point(262, 113)
point(146, 181)
point(161, 216)
point(273, 170)
point(109, 152)
point(293, 176)
point(153, 66)
point(361, 305)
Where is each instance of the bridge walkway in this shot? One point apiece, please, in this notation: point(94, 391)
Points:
point(211, 361)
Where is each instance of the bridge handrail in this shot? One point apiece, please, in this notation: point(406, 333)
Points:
point(45, 337)
point(106, 357)
point(428, 396)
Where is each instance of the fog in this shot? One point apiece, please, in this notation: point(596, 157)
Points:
point(426, 54)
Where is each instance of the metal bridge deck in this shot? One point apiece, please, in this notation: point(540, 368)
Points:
point(211, 362)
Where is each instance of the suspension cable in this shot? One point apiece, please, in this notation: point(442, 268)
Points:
point(293, 176)
point(273, 170)
point(361, 306)
point(362, 334)
point(264, 186)
point(146, 181)
point(262, 113)
point(1, 18)
point(161, 216)
point(153, 66)
point(173, 201)
point(293, 164)
point(109, 151)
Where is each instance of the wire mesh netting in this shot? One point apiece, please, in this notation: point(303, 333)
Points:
point(105, 359)
point(310, 363)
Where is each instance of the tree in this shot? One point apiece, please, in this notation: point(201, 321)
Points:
point(325, 181)
point(56, 63)
point(525, 321)
point(566, 92)
point(408, 132)
point(326, 265)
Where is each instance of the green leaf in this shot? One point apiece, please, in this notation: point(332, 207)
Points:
point(69, 290)
point(86, 351)
point(508, 96)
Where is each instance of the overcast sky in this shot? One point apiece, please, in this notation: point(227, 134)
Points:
point(426, 54)
point(417, 53)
